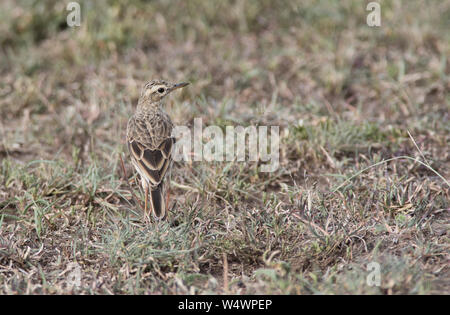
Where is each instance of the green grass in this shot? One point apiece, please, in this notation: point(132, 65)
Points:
point(350, 100)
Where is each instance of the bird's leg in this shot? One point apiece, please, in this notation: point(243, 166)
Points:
point(146, 203)
point(167, 200)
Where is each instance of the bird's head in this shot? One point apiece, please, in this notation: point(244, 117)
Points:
point(155, 90)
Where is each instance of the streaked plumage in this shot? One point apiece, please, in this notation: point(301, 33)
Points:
point(150, 143)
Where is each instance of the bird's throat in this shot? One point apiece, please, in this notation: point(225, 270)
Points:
point(147, 106)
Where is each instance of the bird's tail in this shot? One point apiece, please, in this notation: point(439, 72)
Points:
point(157, 202)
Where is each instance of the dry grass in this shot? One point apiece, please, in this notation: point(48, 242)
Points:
point(344, 95)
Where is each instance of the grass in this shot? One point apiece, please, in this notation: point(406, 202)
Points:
point(364, 159)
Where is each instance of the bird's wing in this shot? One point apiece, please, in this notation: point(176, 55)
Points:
point(152, 163)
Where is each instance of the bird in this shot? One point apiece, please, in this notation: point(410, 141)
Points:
point(150, 143)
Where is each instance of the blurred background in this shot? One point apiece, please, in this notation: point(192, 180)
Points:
point(344, 94)
point(291, 61)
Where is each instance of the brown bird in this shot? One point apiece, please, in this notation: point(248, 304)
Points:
point(150, 142)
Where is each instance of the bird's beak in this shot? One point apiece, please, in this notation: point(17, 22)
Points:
point(179, 85)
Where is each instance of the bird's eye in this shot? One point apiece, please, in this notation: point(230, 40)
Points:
point(161, 90)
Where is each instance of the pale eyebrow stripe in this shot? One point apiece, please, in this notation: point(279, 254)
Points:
point(156, 87)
